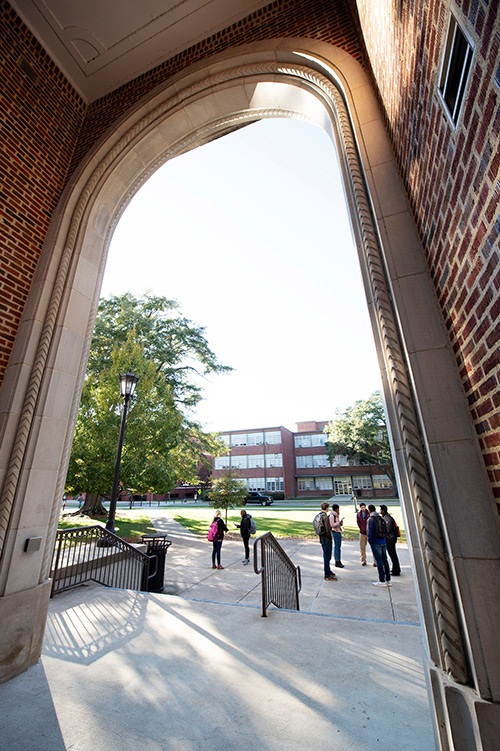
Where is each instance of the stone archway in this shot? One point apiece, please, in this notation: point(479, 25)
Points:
point(435, 453)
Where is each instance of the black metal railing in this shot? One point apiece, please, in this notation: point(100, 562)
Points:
point(84, 554)
point(281, 579)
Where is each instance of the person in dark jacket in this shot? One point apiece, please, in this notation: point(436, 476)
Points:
point(217, 541)
point(362, 521)
point(244, 528)
point(379, 547)
point(391, 540)
point(326, 541)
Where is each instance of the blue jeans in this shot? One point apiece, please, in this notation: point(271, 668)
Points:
point(380, 554)
point(327, 554)
point(217, 544)
point(337, 542)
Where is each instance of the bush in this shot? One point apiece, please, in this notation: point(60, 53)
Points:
point(278, 496)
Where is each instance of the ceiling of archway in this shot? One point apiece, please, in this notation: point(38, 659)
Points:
point(101, 44)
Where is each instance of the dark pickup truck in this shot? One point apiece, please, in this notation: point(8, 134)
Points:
point(255, 497)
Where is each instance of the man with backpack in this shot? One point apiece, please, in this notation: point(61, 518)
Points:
point(377, 534)
point(322, 527)
point(391, 540)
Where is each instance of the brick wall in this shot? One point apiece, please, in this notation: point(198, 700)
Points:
point(452, 177)
point(39, 124)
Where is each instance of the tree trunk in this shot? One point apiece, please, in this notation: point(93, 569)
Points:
point(92, 506)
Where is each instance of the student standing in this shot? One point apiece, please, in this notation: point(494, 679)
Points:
point(325, 538)
point(218, 539)
point(362, 520)
point(391, 540)
point(376, 538)
point(336, 525)
point(245, 533)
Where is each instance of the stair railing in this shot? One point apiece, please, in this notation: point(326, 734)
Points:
point(281, 578)
point(83, 554)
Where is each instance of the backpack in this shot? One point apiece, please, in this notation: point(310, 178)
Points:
point(212, 531)
point(253, 526)
point(398, 533)
point(380, 527)
point(319, 523)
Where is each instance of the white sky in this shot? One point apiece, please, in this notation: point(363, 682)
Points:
point(250, 235)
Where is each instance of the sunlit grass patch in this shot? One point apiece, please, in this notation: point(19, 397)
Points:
point(129, 528)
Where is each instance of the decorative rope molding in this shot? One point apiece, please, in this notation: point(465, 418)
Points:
point(452, 654)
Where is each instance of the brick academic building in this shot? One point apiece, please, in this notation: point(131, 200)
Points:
point(95, 99)
point(277, 460)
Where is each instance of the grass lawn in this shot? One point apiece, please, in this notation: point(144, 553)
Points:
point(129, 528)
point(282, 522)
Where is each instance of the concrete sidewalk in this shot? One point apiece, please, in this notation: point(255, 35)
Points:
point(188, 573)
point(201, 670)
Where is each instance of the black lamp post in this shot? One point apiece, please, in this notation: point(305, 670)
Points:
point(128, 383)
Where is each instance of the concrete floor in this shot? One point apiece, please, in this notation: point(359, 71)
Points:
point(199, 669)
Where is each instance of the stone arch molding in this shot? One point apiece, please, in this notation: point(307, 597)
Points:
point(326, 88)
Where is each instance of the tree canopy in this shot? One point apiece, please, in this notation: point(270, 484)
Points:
point(163, 443)
point(360, 433)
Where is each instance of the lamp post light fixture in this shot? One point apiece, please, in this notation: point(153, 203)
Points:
point(128, 383)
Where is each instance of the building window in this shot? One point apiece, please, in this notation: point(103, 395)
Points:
point(275, 484)
point(305, 483)
point(222, 462)
point(272, 437)
point(256, 483)
point(255, 439)
point(274, 460)
point(362, 482)
point(381, 481)
point(342, 485)
point(303, 441)
point(323, 483)
point(457, 62)
point(240, 439)
point(238, 462)
point(319, 439)
point(320, 460)
point(340, 461)
point(256, 461)
point(304, 462)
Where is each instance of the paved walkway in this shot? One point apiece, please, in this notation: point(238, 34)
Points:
point(202, 671)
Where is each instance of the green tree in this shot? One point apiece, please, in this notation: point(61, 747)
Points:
point(360, 433)
point(163, 444)
point(227, 492)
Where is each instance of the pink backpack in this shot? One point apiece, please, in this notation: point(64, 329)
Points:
point(212, 531)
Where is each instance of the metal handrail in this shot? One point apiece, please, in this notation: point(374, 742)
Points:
point(281, 578)
point(83, 554)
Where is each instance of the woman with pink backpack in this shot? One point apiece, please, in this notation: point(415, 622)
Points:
point(216, 536)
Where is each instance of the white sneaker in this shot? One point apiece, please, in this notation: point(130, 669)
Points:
point(245, 562)
point(379, 584)
point(388, 584)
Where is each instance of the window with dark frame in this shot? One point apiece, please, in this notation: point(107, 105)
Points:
point(457, 63)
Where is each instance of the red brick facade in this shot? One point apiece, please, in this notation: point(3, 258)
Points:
point(39, 126)
point(451, 175)
point(452, 178)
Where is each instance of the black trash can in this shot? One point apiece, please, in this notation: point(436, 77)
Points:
point(157, 546)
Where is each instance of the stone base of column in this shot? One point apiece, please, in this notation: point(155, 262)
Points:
point(23, 616)
point(463, 721)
